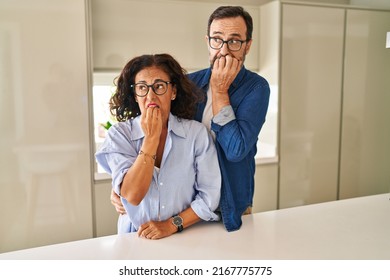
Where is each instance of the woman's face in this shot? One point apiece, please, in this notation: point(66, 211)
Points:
point(148, 77)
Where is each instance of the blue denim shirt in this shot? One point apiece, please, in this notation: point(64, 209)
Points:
point(237, 129)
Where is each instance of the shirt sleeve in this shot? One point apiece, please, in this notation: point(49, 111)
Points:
point(116, 156)
point(208, 182)
point(238, 136)
point(225, 115)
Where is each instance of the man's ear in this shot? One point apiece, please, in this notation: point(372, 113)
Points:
point(248, 46)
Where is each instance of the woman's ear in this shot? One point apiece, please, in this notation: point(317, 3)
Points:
point(174, 93)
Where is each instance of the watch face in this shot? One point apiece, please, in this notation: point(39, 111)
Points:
point(177, 221)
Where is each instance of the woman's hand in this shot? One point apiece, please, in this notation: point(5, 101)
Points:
point(157, 230)
point(137, 180)
point(151, 123)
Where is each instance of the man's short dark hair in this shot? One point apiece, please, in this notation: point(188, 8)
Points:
point(232, 12)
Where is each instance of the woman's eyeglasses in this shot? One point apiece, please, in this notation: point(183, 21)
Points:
point(158, 87)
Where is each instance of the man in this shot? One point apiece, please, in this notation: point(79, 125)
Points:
point(236, 103)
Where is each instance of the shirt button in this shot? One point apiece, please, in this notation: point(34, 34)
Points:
point(163, 206)
point(161, 184)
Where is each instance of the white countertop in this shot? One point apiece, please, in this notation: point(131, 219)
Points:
point(355, 229)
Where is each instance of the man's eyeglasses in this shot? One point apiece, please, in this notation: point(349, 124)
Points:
point(233, 45)
point(159, 88)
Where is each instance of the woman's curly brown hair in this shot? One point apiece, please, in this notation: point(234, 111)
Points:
point(123, 105)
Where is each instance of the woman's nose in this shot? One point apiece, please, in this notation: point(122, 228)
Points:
point(151, 94)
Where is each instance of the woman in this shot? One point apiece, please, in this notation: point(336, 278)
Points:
point(163, 165)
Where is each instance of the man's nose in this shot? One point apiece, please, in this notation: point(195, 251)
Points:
point(224, 50)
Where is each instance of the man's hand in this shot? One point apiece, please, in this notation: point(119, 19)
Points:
point(116, 201)
point(225, 70)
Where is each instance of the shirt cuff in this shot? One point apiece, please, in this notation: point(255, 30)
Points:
point(224, 116)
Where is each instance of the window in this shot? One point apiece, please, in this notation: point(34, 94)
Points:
point(103, 88)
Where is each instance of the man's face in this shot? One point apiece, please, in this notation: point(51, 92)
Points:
point(228, 29)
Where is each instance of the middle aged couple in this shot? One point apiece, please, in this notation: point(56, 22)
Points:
point(184, 147)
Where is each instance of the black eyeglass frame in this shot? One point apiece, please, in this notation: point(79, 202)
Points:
point(227, 42)
point(151, 86)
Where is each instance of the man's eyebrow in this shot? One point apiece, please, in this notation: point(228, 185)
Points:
point(217, 32)
point(230, 35)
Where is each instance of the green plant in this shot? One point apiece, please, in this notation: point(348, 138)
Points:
point(106, 125)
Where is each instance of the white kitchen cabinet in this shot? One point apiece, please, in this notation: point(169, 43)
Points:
point(310, 103)
point(365, 149)
point(45, 167)
point(331, 68)
point(106, 216)
point(123, 29)
point(266, 192)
